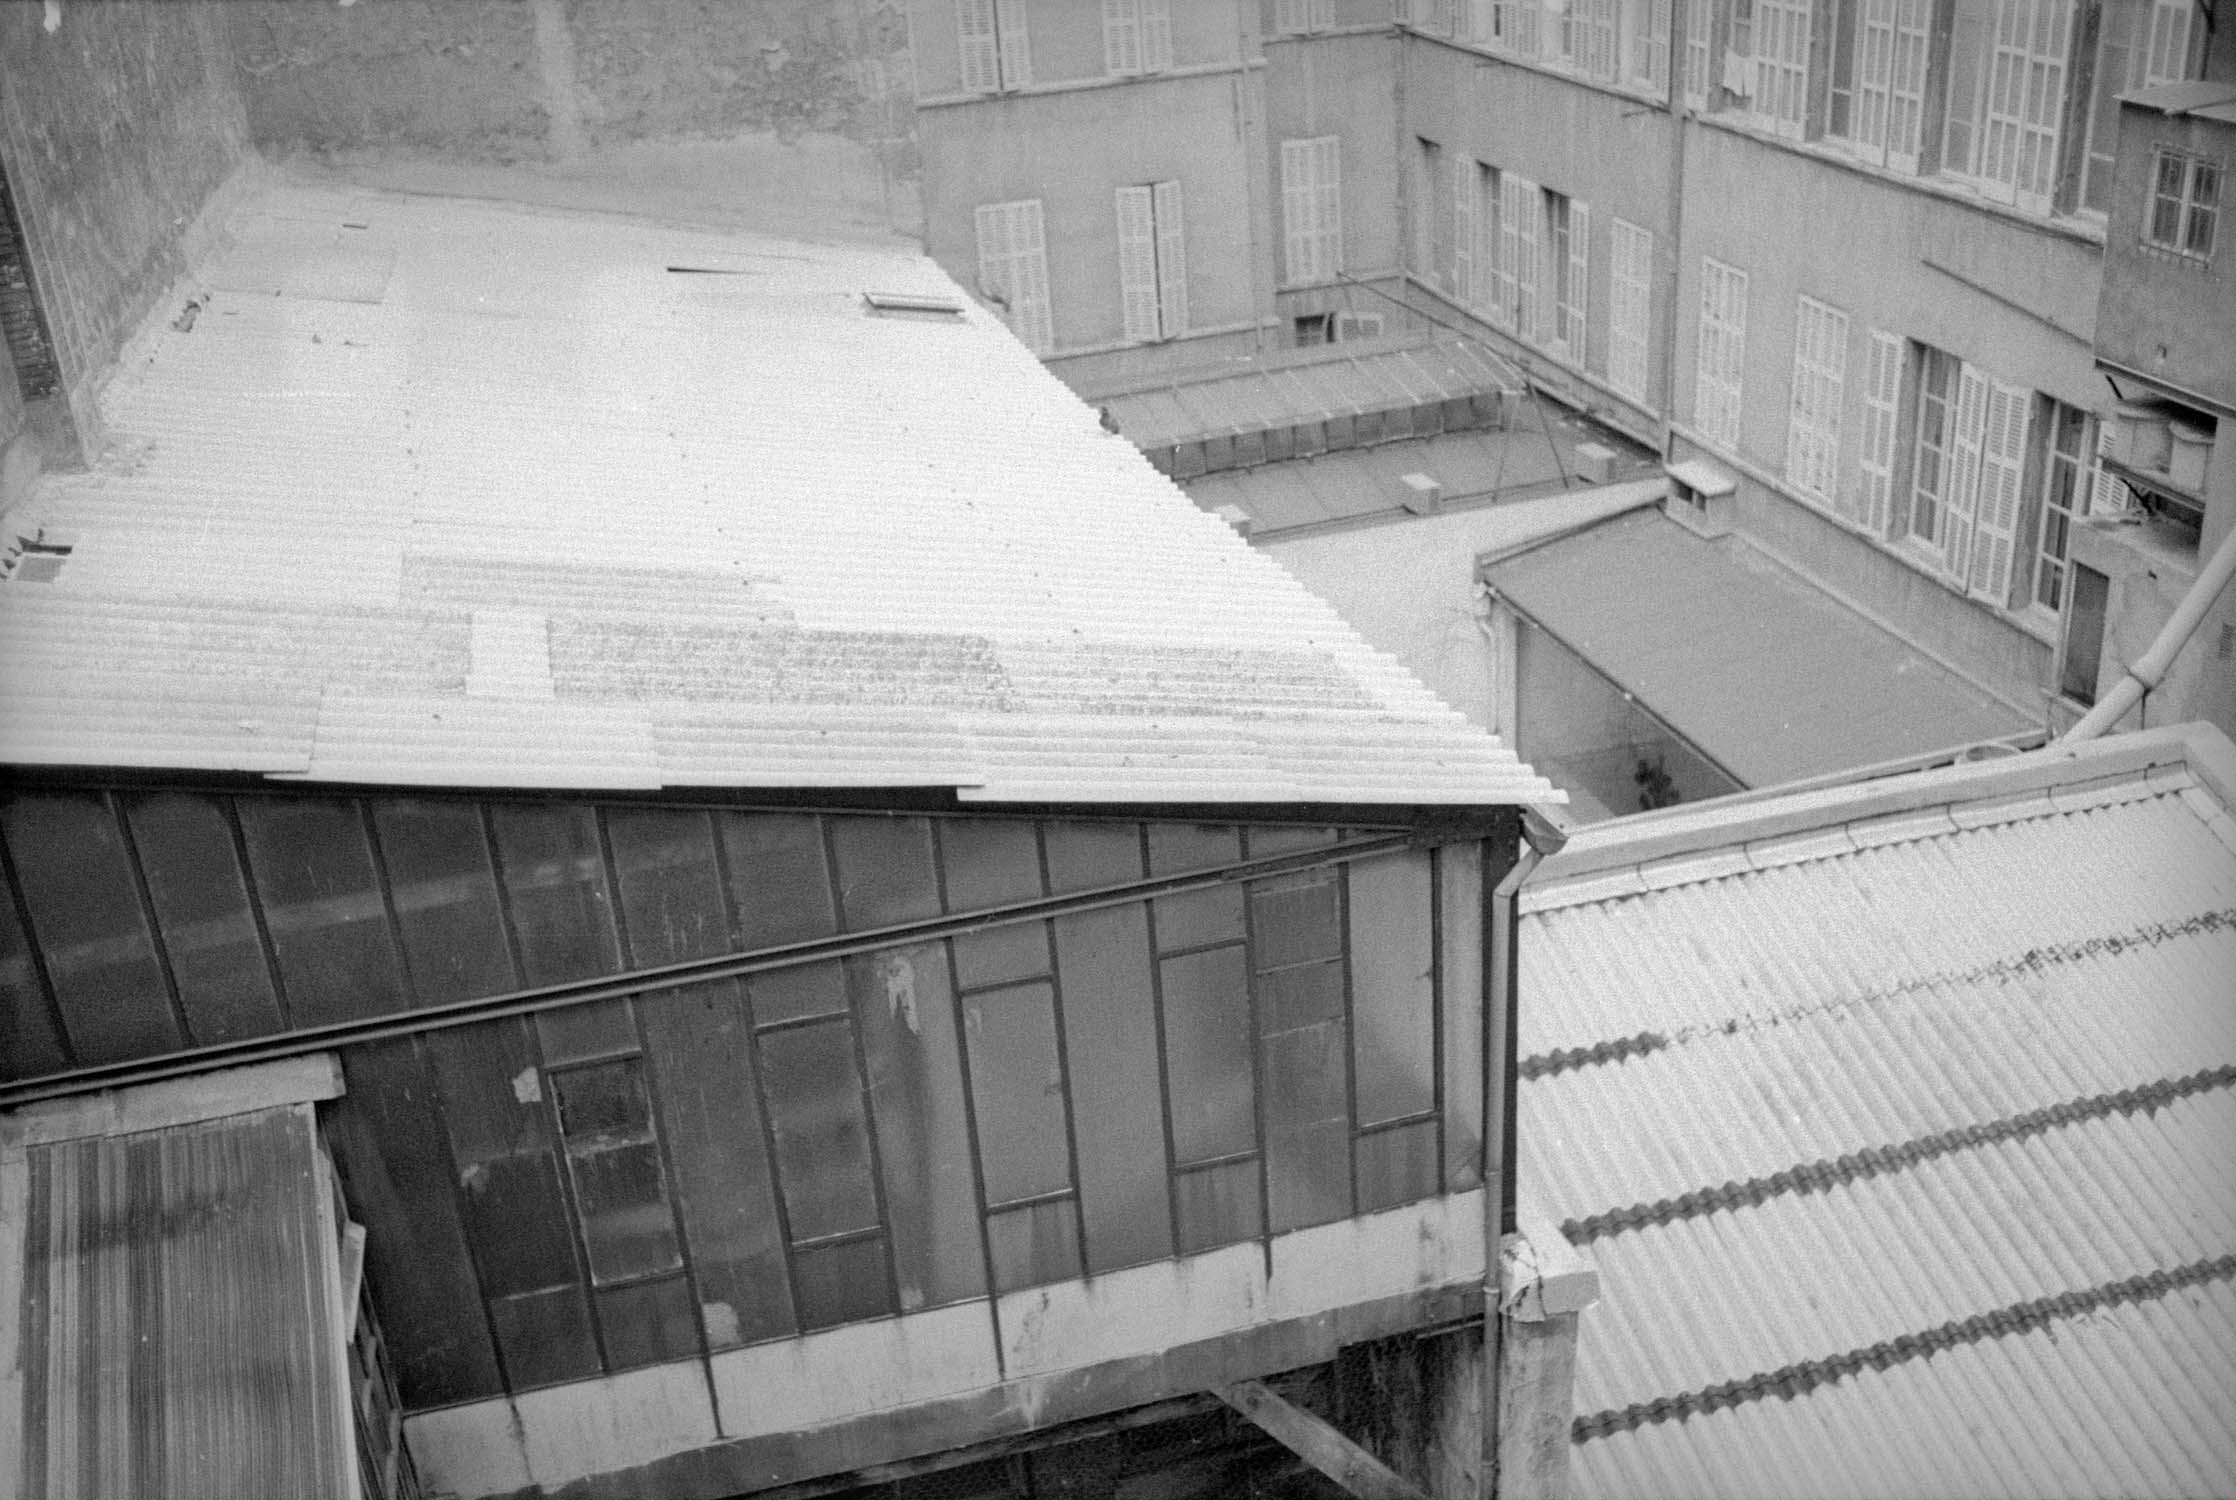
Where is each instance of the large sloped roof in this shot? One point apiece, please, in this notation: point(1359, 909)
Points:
point(1897, 1119)
point(441, 491)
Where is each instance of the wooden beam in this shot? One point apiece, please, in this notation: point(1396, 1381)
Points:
point(1309, 1438)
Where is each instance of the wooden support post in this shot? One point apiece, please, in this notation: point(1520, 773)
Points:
point(1318, 1444)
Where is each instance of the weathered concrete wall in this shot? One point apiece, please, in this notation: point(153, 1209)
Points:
point(119, 123)
point(514, 79)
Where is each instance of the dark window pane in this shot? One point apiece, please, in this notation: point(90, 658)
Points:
point(1082, 856)
point(698, 1041)
point(439, 876)
point(1270, 839)
point(797, 993)
point(555, 882)
point(822, 1139)
point(1174, 847)
point(492, 1091)
point(201, 907)
point(1295, 919)
point(647, 1323)
point(575, 1032)
point(1459, 894)
point(605, 1100)
point(1102, 965)
point(545, 1337)
point(30, 1043)
point(842, 1283)
point(1397, 1165)
point(778, 880)
point(621, 1198)
point(1002, 955)
point(885, 872)
point(1302, 996)
point(1218, 1205)
point(1199, 918)
point(493, 1104)
point(1017, 1086)
point(323, 908)
point(1393, 1002)
point(906, 1013)
point(1035, 1244)
point(1208, 1064)
point(518, 1222)
point(1308, 1132)
point(387, 1136)
point(671, 900)
point(989, 862)
point(86, 919)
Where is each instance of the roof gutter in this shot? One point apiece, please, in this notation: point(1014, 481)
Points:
point(2149, 670)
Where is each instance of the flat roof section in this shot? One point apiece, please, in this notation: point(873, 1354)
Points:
point(1764, 673)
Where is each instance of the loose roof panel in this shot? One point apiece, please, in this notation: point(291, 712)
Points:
point(441, 491)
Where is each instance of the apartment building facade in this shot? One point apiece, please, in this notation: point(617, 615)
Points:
point(1848, 251)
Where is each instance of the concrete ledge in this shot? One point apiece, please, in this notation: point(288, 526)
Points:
point(1541, 1275)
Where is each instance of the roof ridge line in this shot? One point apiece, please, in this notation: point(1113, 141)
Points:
point(1804, 1376)
point(1873, 1161)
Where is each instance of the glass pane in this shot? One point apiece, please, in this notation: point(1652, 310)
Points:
point(1104, 987)
point(1017, 1087)
point(1002, 955)
point(555, 882)
point(989, 862)
point(323, 907)
point(798, 993)
point(778, 880)
point(86, 918)
point(1393, 1001)
point(1082, 856)
point(1397, 1165)
point(671, 898)
point(576, 1032)
point(842, 1283)
point(697, 1040)
point(1288, 998)
point(545, 1337)
point(1218, 1205)
point(492, 1097)
point(1308, 1131)
point(1295, 919)
point(822, 1139)
point(439, 876)
point(518, 1223)
point(30, 1044)
point(1271, 839)
point(1202, 917)
point(1035, 1244)
point(621, 1198)
point(906, 1015)
point(606, 1100)
point(201, 907)
point(885, 871)
point(1208, 1066)
point(647, 1323)
point(1459, 893)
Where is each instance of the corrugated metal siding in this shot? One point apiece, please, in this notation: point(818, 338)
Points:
point(1906, 1167)
point(180, 1305)
point(709, 490)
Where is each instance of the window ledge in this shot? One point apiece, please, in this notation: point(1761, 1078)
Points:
point(1629, 92)
point(1099, 81)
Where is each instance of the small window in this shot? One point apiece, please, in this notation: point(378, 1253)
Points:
point(2185, 203)
point(1312, 328)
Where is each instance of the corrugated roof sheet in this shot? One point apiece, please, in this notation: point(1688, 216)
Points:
point(1769, 676)
point(182, 1331)
point(441, 491)
point(1903, 1154)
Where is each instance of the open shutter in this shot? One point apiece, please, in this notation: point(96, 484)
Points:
point(1121, 36)
point(1137, 263)
point(1296, 208)
point(1156, 35)
point(974, 26)
point(1017, 47)
point(1509, 249)
point(1579, 276)
point(1961, 495)
point(1328, 198)
point(1172, 261)
point(1529, 217)
point(993, 250)
point(1882, 391)
point(2002, 474)
point(1463, 228)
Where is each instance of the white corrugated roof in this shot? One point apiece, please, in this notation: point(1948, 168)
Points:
point(1897, 1120)
point(443, 491)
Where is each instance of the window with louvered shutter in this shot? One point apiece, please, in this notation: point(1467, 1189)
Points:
point(1820, 351)
point(1137, 263)
point(1311, 210)
point(1017, 47)
point(1121, 36)
point(1156, 35)
point(980, 48)
point(1172, 260)
point(1722, 352)
point(1882, 393)
point(2022, 101)
point(1995, 524)
point(1528, 214)
point(1506, 243)
point(1463, 229)
point(1013, 266)
point(1961, 500)
point(1575, 304)
point(1630, 301)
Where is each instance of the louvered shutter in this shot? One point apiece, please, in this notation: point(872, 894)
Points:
point(974, 26)
point(1297, 210)
point(1579, 276)
point(1156, 35)
point(1529, 214)
point(1017, 47)
point(1172, 261)
point(2002, 473)
point(1463, 228)
point(1121, 36)
point(1882, 391)
point(1657, 45)
point(1961, 494)
point(1137, 263)
point(1629, 306)
point(1509, 277)
point(1328, 197)
point(993, 250)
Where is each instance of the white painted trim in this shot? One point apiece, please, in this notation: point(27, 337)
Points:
point(550, 1438)
point(175, 1101)
point(840, 1374)
point(15, 1203)
point(1099, 81)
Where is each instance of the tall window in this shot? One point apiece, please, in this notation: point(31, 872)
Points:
point(1521, 212)
point(1936, 425)
point(1152, 262)
point(2139, 44)
point(1820, 357)
point(1968, 472)
point(1630, 303)
point(1722, 353)
point(1877, 99)
point(1873, 502)
point(1568, 229)
point(2185, 199)
point(1013, 269)
point(996, 53)
point(2070, 475)
point(1700, 32)
point(1312, 209)
point(1428, 211)
point(1646, 43)
point(1462, 197)
point(1136, 36)
point(1781, 51)
point(2007, 96)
